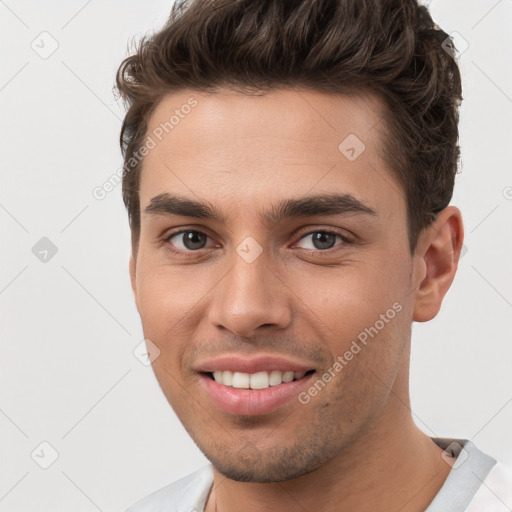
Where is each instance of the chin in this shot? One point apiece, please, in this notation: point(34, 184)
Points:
point(262, 475)
point(256, 466)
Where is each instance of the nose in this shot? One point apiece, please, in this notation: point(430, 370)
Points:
point(251, 297)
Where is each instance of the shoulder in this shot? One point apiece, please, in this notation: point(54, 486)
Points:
point(495, 493)
point(187, 493)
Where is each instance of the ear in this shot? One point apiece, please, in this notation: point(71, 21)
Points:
point(435, 262)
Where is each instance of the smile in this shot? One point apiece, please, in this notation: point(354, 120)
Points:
point(258, 380)
point(253, 394)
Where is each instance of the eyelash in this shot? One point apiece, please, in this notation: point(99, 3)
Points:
point(346, 240)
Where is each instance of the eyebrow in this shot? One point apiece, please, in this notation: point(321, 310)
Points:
point(310, 206)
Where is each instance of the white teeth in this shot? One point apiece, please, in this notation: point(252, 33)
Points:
point(259, 380)
point(276, 377)
point(240, 380)
point(227, 378)
point(288, 376)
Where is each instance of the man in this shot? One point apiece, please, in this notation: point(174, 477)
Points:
point(288, 169)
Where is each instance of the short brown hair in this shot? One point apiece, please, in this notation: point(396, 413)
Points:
point(389, 47)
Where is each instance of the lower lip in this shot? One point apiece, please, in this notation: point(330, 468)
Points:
point(252, 401)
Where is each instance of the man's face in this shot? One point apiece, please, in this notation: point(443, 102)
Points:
point(257, 294)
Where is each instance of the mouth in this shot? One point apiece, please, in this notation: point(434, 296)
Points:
point(258, 380)
point(253, 394)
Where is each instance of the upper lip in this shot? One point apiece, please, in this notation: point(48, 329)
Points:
point(236, 363)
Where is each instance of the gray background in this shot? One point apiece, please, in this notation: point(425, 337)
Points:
point(68, 327)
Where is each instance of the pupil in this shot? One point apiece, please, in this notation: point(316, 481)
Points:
point(193, 239)
point(319, 240)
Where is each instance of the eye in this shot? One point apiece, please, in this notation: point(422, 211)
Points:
point(324, 240)
point(187, 240)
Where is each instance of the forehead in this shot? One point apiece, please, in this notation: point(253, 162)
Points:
point(237, 150)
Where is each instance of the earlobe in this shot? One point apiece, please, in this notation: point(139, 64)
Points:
point(436, 263)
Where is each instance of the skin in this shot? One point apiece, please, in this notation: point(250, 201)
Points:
point(355, 445)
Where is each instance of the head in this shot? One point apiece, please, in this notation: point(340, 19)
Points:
point(288, 169)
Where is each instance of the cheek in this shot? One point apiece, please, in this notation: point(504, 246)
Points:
point(163, 309)
point(350, 301)
point(166, 295)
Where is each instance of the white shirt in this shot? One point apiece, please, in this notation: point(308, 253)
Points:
point(476, 483)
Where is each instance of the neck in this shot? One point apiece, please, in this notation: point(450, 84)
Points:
point(390, 466)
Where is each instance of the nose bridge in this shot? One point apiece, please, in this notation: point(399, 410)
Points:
point(250, 295)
